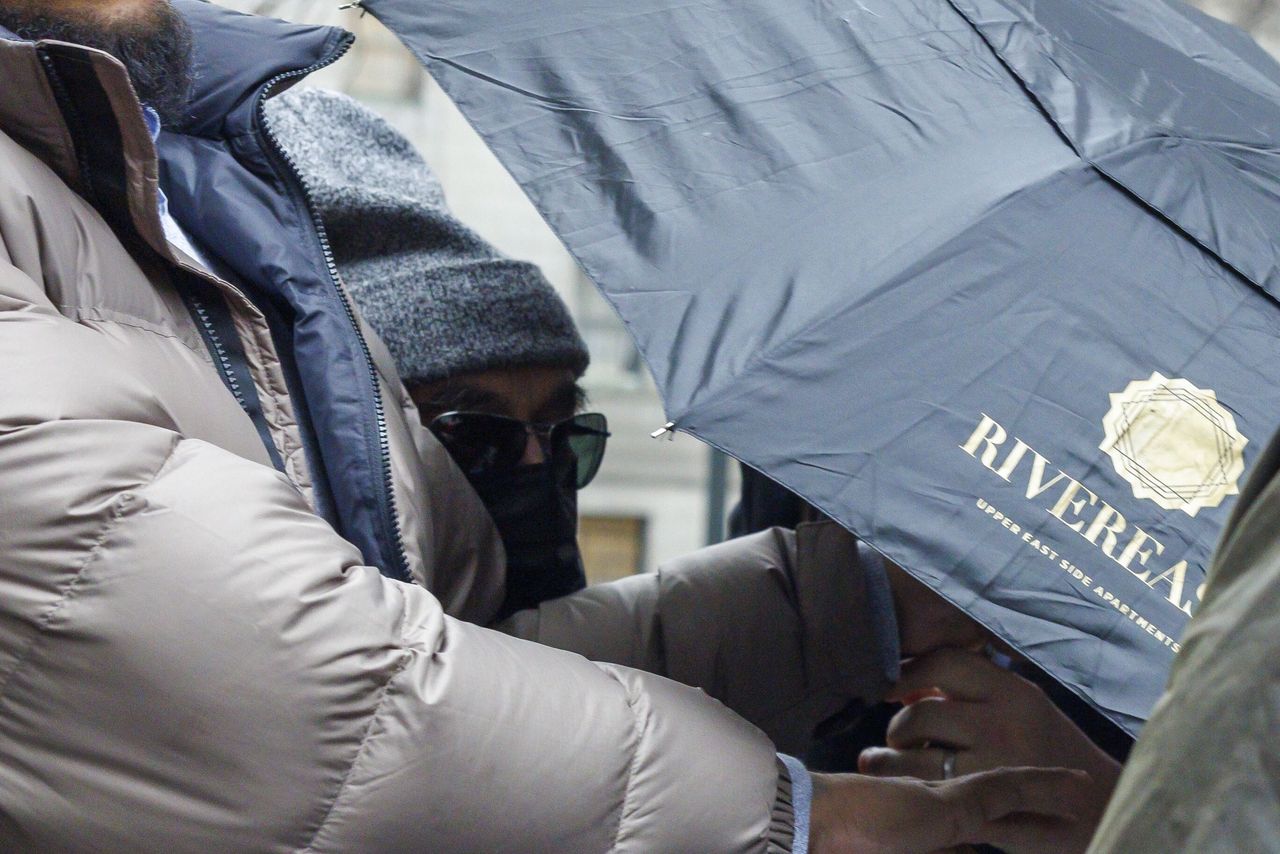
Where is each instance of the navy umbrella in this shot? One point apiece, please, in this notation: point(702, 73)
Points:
point(991, 282)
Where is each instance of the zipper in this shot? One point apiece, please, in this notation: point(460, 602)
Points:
point(214, 340)
point(303, 193)
point(197, 305)
point(72, 117)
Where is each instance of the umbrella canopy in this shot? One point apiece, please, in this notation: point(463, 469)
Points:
point(991, 282)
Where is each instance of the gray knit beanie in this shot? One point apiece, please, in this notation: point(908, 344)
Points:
point(444, 301)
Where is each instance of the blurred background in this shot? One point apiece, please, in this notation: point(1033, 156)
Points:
point(653, 499)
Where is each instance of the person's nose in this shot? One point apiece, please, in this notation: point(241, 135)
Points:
point(533, 453)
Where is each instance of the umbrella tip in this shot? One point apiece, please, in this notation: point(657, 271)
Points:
point(668, 430)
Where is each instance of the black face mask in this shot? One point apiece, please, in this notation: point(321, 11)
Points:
point(535, 509)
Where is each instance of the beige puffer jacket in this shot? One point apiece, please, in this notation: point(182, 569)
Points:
point(192, 660)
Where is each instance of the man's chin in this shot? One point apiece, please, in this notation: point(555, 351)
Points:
point(149, 37)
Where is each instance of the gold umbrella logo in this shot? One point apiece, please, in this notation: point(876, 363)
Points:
point(1174, 443)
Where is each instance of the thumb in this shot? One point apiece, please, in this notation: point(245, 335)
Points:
point(982, 801)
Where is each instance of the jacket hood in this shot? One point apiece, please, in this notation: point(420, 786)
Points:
point(237, 55)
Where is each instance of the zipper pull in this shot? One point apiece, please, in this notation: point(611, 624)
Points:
point(668, 430)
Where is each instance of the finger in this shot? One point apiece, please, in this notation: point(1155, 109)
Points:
point(961, 674)
point(922, 763)
point(917, 696)
point(940, 722)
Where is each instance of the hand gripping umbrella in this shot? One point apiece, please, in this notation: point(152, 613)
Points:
point(991, 282)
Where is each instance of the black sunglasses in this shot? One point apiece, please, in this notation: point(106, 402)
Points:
point(481, 443)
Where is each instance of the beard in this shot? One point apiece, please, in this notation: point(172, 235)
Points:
point(154, 45)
